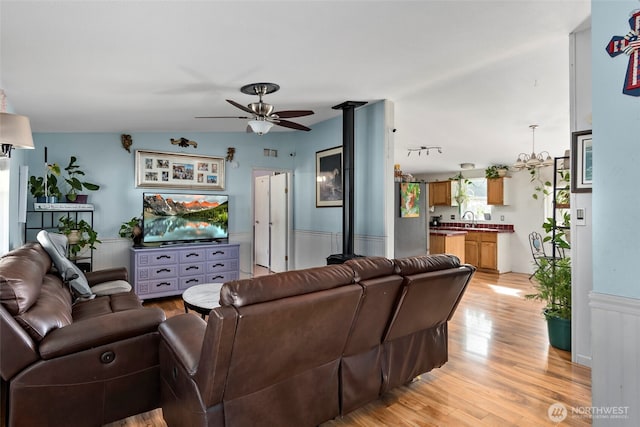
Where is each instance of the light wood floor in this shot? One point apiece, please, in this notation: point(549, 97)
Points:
point(501, 370)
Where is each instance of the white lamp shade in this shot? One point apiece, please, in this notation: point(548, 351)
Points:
point(260, 126)
point(533, 160)
point(15, 130)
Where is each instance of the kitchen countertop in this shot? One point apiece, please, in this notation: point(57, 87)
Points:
point(464, 230)
point(446, 232)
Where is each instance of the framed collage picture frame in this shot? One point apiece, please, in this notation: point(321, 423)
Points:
point(156, 169)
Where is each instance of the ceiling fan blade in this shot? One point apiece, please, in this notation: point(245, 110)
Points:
point(222, 117)
point(293, 113)
point(240, 106)
point(292, 125)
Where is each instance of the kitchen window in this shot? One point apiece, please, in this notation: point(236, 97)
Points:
point(477, 199)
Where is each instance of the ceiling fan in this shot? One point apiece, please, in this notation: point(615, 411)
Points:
point(262, 116)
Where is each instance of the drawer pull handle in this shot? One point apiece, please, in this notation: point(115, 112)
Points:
point(191, 267)
point(218, 253)
point(163, 256)
point(163, 270)
point(217, 277)
point(193, 280)
point(192, 254)
point(163, 284)
point(218, 265)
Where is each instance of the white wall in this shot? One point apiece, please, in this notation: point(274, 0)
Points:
point(581, 247)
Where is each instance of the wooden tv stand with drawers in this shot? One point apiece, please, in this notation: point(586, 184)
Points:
point(169, 270)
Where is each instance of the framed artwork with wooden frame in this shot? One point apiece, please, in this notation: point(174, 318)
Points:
point(157, 169)
point(581, 162)
point(329, 178)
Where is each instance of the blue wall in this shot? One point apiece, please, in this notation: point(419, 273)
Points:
point(616, 154)
point(106, 163)
point(369, 174)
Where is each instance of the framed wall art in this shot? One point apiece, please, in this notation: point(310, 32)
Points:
point(156, 169)
point(329, 178)
point(410, 200)
point(581, 162)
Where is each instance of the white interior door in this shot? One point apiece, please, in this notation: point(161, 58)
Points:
point(279, 209)
point(261, 217)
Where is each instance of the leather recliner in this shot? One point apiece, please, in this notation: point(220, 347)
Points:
point(82, 364)
point(269, 354)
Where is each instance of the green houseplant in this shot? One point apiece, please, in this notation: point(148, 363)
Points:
point(80, 234)
point(132, 230)
point(46, 192)
point(553, 286)
point(495, 171)
point(74, 173)
point(461, 188)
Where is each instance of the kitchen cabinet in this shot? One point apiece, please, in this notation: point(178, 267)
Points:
point(448, 243)
point(440, 193)
point(489, 251)
point(498, 190)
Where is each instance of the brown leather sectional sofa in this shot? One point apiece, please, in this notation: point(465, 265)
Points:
point(302, 347)
point(65, 364)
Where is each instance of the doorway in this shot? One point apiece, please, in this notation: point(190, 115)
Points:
point(273, 221)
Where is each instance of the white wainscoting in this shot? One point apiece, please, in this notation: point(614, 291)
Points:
point(615, 339)
point(112, 253)
point(313, 247)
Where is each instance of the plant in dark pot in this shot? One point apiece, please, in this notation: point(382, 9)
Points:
point(553, 286)
point(75, 184)
point(79, 233)
point(46, 191)
point(132, 229)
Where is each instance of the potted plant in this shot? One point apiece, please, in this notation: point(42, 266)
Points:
point(496, 171)
point(132, 230)
point(46, 191)
point(461, 194)
point(80, 234)
point(75, 184)
point(560, 237)
point(553, 286)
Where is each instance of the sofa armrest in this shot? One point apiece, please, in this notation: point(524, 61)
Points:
point(106, 275)
point(100, 330)
point(184, 335)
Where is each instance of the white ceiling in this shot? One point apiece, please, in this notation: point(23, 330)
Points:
point(470, 76)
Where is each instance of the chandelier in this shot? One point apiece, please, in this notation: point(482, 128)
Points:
point(423, 148)
point(533, 160)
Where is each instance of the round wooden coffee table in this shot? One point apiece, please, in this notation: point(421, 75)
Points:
point(202, 298)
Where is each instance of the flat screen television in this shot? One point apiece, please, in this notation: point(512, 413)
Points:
point(182, 218)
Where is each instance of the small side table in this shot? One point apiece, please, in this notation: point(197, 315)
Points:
point(202, 298)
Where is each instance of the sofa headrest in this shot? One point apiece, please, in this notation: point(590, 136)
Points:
point(21, 274)
point(370, 267)
point(425, 263)
point(282, 285)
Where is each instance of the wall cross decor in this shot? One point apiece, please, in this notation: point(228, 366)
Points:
point(629, 45)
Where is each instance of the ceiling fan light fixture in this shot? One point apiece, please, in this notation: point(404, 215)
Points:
point(260, 126)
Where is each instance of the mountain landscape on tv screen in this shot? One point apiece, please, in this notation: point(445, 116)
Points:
point(184, 217)
point(158, 205)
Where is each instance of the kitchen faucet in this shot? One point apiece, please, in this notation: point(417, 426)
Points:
point(473, 218)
